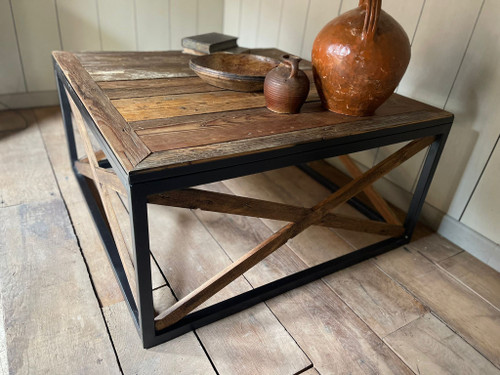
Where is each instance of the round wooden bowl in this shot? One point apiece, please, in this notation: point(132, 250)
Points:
point(240, 72)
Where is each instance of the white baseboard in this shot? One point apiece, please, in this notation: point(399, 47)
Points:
point(474, 243)
point(29, 99)
point(461, 235)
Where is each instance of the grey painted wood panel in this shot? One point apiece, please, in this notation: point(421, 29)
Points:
point(79, 25)
point(153, 25)
point(12, 78)
point(36, 40)
point(118, 28)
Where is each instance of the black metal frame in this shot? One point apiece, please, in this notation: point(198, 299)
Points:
point(140, 185)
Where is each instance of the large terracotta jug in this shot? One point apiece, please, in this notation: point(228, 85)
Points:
point(359, 59)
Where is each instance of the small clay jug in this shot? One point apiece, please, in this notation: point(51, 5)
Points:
point(359, 59)
point(286, 87)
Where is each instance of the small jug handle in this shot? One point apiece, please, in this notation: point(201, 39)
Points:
point(293, 62)
point(373, 8)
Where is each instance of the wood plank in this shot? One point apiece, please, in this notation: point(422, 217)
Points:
point(114, 66)
point(124, 142)
point(292, 25)
point(103, 197)
point(183, 14)
point(75, 16)
point(236, 205)
point(466, 313)
point(52, 131)
point(117, 25)
point(330, 350)
point(380, 204)
point(148, 87)
point(105, 176)
point(54, 325)
point(10, 60)
point(316, 132)
point(209, 16)
point(475, 132)
point(481, 278)
point(243, 264)
point(24, 166)
point(379, 301)
point(268, 30)
point(181, 355)
point(122, 215)
point(339, 178)
point(252, 341)
point(428, 346)
point(153, 25)
point(164, 106)
point(12, 120)
point(436, 248)
point(36, 39)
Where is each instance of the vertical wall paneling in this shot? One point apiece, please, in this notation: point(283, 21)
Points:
point(293, 22)
point(320, 13)
point(183, 19)
point(79, 25)
point(440, 42)
point(38, 35)
point(474, 101)
point(210, 13)
point(269, 23)
point(153, 24)
point(117, 21)
point(11, 78)
point(483, 211)
point(231, 19)
point(249, 24)
point(351, 4)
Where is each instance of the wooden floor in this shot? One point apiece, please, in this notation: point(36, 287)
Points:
point(425, 308)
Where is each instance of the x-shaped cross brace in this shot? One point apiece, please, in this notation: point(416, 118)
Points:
point(300, 218)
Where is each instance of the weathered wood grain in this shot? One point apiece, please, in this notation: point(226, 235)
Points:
point(50, 124)
point(236, 205)
point(115, 66)
point(121, 138)
point(12, 120)
point(24, 166)
point(252, 341)
point(320, 128)
point(380, 204)
point(106, 177)
point(183, 355)
point(52, 319)
point(339, 178)
point(315, 215)
point(428, 346)
point(465, 312)
point(382, 304)
point(326, 347)
point(435, 247)
point(123, 218)
point(154, 87)
point(481, 278)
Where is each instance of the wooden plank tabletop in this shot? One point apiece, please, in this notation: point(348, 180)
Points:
point(156, 113)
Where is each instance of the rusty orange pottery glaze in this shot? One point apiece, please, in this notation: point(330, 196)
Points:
point(359, 59)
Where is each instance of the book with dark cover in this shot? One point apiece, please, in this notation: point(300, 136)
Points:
point(208, 43)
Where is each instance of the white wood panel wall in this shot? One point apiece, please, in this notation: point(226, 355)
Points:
point(30, 30)
point(454, 65)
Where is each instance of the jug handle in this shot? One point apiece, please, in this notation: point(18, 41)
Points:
point(293, 62)
point(372, 15)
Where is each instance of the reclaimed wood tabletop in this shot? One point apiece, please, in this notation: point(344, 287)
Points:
point(154, 112)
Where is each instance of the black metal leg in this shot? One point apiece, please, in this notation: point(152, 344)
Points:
point(68, 123)
point(140, 239)
point(424, 182)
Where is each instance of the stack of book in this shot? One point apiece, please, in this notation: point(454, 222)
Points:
point(212, 42)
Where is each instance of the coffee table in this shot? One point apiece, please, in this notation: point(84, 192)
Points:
point(162, 130)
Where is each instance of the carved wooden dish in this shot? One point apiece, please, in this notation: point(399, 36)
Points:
point(242, 72)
